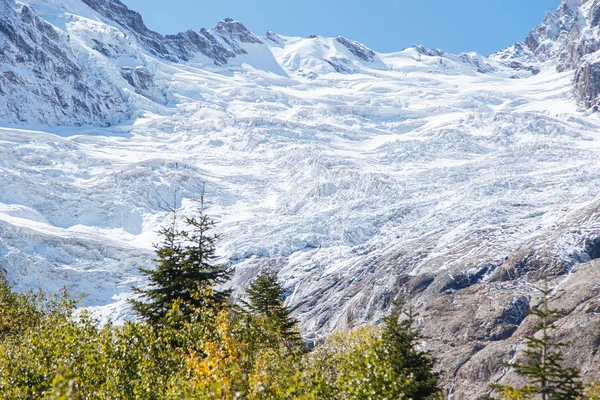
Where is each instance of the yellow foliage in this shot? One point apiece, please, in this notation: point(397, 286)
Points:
point(511, 393)
point(592, 392)
point(217, 371)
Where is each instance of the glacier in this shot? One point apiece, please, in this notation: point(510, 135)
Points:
point(362, 177)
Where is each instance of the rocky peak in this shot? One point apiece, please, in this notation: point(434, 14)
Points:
point(567, 39)
point(219, 44)
point(133, 22)
point(118, 12)
point(235, 30)
point(518, 57)
point(555, 23)
point(274, 37)
point(358, 49)
point(202, 42)
point(472, 59)
point(557, 37)
point(422, 50)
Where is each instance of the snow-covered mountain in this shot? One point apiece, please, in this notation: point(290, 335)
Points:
point(569, 39)
point(460, 181)
point(42, 79)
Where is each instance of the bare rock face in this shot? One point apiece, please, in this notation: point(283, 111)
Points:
point(587, 84)
point(476, 329)
point(220, 44)
point(569, 39)
point(357, 49)
point(274, 38)
point(204, 42)
point(116, 11)
point(558, 37)
point(519, 57)
point(42, 81)
point(143, 82)
point(576, 297)
point(235, 30)
point(475, 310)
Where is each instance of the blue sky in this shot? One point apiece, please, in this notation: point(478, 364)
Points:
point(455, 26)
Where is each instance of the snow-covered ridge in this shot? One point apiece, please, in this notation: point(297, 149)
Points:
point(92, 61)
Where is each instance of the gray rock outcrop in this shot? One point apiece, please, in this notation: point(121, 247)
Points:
point(43, 82)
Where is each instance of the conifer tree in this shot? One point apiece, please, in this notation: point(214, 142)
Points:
point(200, 255)
point(544, 365)
point(265, 293)
point(266, 298)
point(185, 261)
point(401, 348)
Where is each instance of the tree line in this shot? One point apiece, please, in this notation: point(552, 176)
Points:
point(190, 341)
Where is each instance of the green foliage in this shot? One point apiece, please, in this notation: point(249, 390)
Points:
point(401, 346)
point(62, 356)
point(544, 368)
point(349, 366)
point(195, 346)
point(372, 363)
point(266, 300)
point(217, 353)
point(200, 256)
point(266, 293)
point(17, 311)
point(592, 392)
point(185, 261)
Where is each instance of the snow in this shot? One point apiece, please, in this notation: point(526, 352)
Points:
point(412, 154)
point(318, 54)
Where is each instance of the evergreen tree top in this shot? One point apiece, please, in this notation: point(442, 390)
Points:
point(266, 293)
point(185, 262)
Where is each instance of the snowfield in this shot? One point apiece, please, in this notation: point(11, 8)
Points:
point(344, 169)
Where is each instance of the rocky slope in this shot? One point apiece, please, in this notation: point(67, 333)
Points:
point(459, 181)
point(569, 39)
point(42, 80)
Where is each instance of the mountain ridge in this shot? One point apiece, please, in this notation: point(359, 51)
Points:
point(229, 41)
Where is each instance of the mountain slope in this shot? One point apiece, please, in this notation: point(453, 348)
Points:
point(42, 81)
point(456, 180)
point(569, 39)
